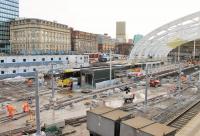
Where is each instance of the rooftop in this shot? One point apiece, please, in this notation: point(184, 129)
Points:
point(101, 110)
point(115, 115)
point(138, 122)
point(158, 129)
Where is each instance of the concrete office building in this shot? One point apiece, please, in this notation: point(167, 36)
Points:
point(35, 36)
point(83, 42)
point(121, 31)
point(9, 9)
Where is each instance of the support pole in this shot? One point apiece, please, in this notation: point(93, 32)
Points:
point(179, 80)
point(147, 84)
point(110, 67)
point(175, 57)
point(194, 51)
point(37, 104)
point(178, 53)
point(199, 75)
point(52, 83)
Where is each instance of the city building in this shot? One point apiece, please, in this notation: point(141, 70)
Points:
point(106, 43)
point(35, 36)
point(121, 31)
point(9, 9)
point(84, 42)
point(130, 40)
point(137, 38)
point(124, 48)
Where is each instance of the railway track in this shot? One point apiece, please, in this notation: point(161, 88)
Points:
point(185, 116)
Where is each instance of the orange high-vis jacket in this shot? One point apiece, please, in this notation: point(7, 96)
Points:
point(11, 110)
point(26, 107)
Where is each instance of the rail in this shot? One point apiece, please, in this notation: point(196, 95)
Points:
point(185, 116)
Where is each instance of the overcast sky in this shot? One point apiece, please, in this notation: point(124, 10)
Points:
point(99, 16)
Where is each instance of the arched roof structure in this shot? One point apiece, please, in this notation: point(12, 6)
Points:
point(158, 43)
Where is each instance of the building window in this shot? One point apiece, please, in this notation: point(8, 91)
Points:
point(34, 69)
point(34, 59)
point(2, 61)
point(13, 60)
point(24, 70)
point(81, 58)
point(2, 72)
point(14, 71)
point(43, 59)
point(59, 58)
point(51, 59)
point(24, 60)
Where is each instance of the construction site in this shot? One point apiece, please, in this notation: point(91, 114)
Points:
point(164, 95)
point(154, 92)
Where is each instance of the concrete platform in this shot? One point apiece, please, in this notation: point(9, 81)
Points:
point(192, 128)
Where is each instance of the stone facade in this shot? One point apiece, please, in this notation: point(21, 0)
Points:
point(35, 36)
point(83, 42)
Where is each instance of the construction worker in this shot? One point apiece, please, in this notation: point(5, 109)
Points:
point(26, 107)
point(11, 110)
point(30, 83)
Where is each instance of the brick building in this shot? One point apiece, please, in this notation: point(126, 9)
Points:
point(84, 42)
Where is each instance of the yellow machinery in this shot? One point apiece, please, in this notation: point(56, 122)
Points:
point(64, 82)
point(66, 78)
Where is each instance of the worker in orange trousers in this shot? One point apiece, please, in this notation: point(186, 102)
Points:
point(11, 110)
point(26, 107)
